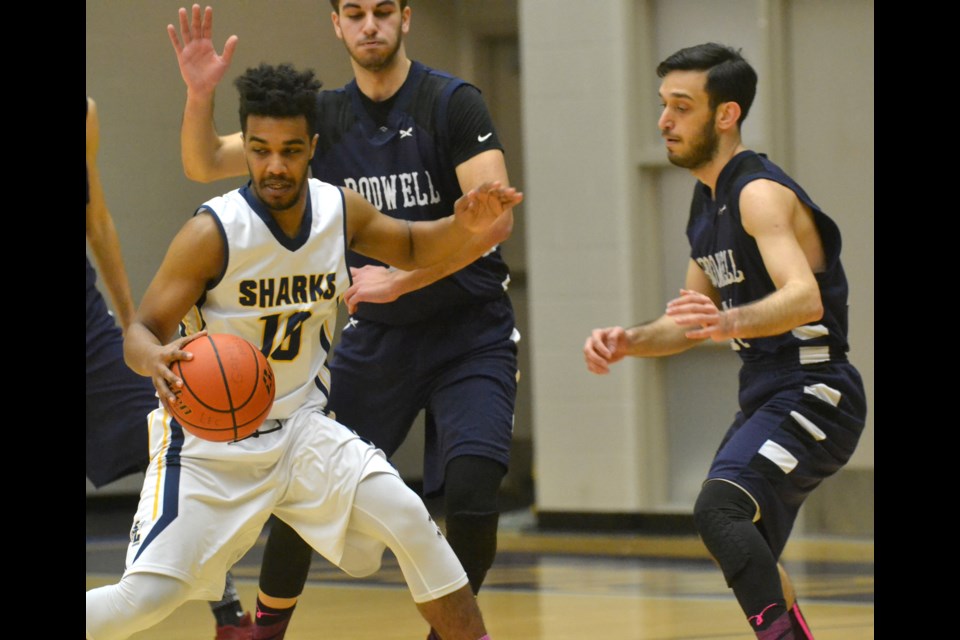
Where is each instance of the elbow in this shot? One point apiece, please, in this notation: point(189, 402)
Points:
point(197, 174)
point(128, 356)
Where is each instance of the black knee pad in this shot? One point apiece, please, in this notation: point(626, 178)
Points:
point(286, 562)
point(470, 499)
point(471, 483)
point(473, 538)
point(723, 516)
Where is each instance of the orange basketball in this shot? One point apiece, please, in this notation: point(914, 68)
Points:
point(227, 391)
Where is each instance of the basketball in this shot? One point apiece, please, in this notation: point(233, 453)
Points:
point(227, 391)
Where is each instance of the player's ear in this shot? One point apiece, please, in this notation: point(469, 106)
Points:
point(313, 144)
point(405, 19)
point(335, 17)
point(728, 113)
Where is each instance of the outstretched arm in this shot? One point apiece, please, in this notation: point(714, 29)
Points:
point(412, 245)
point(101, 233)
point(206, 156)
point(660, 337)
point(791, 249)
point(376, 284)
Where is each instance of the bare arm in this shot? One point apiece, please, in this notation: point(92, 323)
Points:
point(206, 156)
point(660, 337)
point(375, 284)
point(790, 247)
point(194, 258)
point(101, 233)
point(412, 245)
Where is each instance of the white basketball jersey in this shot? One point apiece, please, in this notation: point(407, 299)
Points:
point(280, 293)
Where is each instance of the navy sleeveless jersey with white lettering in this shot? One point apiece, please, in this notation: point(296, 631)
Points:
point(730, 258)
point(406, 168)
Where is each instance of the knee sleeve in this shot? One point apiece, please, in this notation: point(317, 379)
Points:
point(471, 484)
point(286, 562)
point(137, 602)
point(473, 538)
point(470, 499)
point(724, 518)
point(723, 515)
point(387, 511)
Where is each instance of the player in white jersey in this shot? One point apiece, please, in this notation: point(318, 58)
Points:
point(278, 289)
point(267, 262)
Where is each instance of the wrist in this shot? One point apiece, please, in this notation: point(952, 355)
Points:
point(401, 282)
point(200, 97)
point(729, 321)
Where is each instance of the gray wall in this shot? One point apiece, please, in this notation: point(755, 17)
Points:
point(606, 215)
point(600, 238)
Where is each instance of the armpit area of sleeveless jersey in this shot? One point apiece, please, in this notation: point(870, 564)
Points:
point(730, 258)
point(403, 169)
point(280, 293)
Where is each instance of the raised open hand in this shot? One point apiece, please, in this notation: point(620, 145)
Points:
point(201, 66)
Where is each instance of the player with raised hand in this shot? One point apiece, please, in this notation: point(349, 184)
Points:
point(441, 339)
point(238, 267)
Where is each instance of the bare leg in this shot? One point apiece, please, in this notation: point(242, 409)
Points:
point(455, 616)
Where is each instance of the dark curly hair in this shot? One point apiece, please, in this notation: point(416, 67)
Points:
point(730, 78)
point(279, 92)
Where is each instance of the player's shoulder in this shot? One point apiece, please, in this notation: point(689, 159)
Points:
point(756, 178)
point(435, 84)
point(333, 96)
point(316, 185)
point(226, 205)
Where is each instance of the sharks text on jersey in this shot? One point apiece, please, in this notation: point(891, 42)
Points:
point(274, 292)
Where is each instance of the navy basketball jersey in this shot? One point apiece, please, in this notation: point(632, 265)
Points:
point(405, 167)
point(730, 258)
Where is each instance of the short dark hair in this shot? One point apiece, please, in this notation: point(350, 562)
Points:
point(278, 92)
point(336, 5)
point(730, 78)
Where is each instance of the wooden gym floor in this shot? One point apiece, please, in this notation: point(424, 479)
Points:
point(545, 586)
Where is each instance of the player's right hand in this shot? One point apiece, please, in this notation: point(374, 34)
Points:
point(605, 347)
point(164, 379)
point(480, 208)
point(201, 66)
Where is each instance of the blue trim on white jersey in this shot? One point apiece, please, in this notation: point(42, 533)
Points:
point(306, 224)
point(346, 240)
point(206, 208)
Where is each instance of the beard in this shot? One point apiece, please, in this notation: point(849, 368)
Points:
point(701, 152)
point(279, 203)
point(375, 61)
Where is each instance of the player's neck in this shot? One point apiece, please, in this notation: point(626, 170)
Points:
point(290, 220)
point(708, 173)
point(383, 83)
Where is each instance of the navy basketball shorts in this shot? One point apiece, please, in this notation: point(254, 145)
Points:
point(118, 402)
point(798, 424)
point(461, 367)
